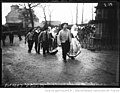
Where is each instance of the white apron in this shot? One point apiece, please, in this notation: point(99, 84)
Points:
point(75, 48)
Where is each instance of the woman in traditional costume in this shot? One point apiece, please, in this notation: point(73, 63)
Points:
point(75, 48)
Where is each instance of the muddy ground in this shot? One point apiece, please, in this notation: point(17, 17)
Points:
point(89, 68)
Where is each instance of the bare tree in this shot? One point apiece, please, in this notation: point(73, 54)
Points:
point(29, 7)
point(50, 11)
point(44, 12)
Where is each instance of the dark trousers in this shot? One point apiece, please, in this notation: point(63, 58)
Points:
point(45, 46)
point(36, 46)
point(39, 48)
point(3, 39)
point(30, 45)
point(50, 44)
point(11, 37)
point(65, 49)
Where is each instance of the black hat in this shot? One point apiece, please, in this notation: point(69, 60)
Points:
point(63, 24)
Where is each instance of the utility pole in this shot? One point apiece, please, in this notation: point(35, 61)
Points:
point(77, 14)
point(72, 20)
point(82, 13)
point(71, 16)
point(92, 11)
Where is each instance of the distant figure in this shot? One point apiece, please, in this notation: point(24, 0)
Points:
point(65, 40)
point(44, 39)
point(11, 37)
point(4, 29)
point(3, 38)
point(29, 39)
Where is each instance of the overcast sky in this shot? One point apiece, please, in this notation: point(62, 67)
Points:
point(63, 12)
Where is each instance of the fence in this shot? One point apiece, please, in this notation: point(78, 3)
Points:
point(93, 43)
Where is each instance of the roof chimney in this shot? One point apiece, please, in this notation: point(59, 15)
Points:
point(14, 7)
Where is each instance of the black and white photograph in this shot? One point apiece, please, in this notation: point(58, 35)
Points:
point(60, 44)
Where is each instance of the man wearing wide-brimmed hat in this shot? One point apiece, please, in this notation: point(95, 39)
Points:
point(65, 39)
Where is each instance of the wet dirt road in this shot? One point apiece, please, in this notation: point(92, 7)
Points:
point(89, 68)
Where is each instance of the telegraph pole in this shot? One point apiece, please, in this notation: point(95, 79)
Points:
point(72, 20)
point(77, 14)
point(82, 13)
point(72, 17)
point(92, 11)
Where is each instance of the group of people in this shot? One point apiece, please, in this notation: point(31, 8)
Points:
point(43, 40)
point(5, 32)
point(49, 40)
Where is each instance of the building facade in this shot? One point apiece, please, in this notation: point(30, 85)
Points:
point(106, 22)
point(19, 18)
point(52, 23)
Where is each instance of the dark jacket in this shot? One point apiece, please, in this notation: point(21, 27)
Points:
point(42, 39)
point(42, 36)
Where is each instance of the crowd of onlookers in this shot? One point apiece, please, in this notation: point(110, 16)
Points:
point(86, 35)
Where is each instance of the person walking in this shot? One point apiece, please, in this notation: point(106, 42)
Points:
point(3, 38)
point(35, 38)
point(3, 35)
point(44, 39)
point(29, 39)
point(11, 37)
point(39, 43)
point(65, 40)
